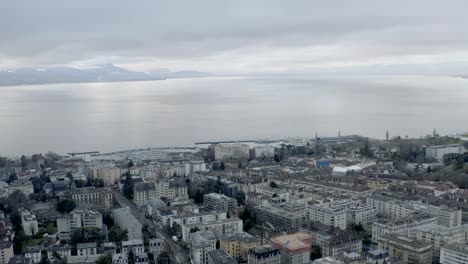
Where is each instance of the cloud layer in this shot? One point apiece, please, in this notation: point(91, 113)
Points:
point(238, 36)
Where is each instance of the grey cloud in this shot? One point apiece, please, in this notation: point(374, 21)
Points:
point(60, 32)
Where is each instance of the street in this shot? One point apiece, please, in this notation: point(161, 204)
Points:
point(178, 254)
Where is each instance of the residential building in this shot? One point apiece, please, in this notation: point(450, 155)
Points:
point(340, 243)
point(99, 197)
point(455, 253)
point(281, 194)
point(220, 228)
point(141, 258)
point(6, 251)
point(361, 215)
point(264, 152)
point(124, 218)
point(86, 249)
point(144, 191)
point(177, 188)
point(200, 244)
point(437, 152)
point(409, 250)
point(109, 173)
point(59, 185)
point(77, 219)
point(156, 245)
point(264, 254)
point(294, 208)
point(24, 186)
point(449, 217)
point(195, 166)
point(402, 226)
point(196, 218)
point(220, 202)
point(63, 250)
point(29, 223)
point(294, 248)
point(327, 260)
point(378, 256)
point(389, 207)
point(220, 257)
point(238, 244)
point(333, 213)
point(277, 217)
point(134, 245)
point(33, 253)
point(120, 258)
point(231, 152)
point(439, 236)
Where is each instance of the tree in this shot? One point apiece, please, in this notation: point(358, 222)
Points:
point(12, 177)
point(273, 185)
point(66, 206)
point(277, 158)
point(429, 170)
point(23, 161)
point(130, 164)
point(128, 186)
point(222, 167)
point(163, 258)
point(70, 176)
point(194, 229)
point(315, 253)
point(198, 198)
point(240, 197)
point(117, 235)
point(248, 224)
point(104, 259)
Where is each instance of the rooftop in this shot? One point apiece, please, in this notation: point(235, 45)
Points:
point(294, 241)
point(221, 257)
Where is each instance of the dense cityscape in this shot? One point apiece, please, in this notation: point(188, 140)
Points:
point(343, 199)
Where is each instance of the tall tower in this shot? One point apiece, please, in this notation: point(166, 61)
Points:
point(316, 136)
point(434, 133)
point(339, 133)
point(386, 135)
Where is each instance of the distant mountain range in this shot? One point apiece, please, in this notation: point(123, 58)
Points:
point(105, 73)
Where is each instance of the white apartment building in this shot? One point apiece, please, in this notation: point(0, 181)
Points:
point(220, 202)
point(390, 208)
point(200, 244)
point(280, 194)
point(361, 215)
point(120, 258)
point(333, 213)
point(134, 245)
point(77, 219)
point(86, 249)
point(34, 254)
point(109, 173)
point(440, 236)
point(402, 226)
point(264, 152)
point(156, 245)
point(29, 223)
point(449, 217)
point(6, 251)
point(124, 218)
point(231, 152)
point(197, 218)
point(91, 196)
point(195, 166)
point(224, 227)
point(24, 186)
point(144, 191)
point(454, 254)
point(438, 152)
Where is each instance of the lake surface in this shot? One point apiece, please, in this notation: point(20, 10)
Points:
point(117, 116)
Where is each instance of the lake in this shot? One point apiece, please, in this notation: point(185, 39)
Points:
point(116, 116)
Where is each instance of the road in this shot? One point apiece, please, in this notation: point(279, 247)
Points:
point(179, 254)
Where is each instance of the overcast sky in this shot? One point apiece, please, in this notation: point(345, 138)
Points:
point(427, 37)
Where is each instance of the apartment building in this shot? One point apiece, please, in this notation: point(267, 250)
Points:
point(109, 173)
point(220, 202)
point(328, 214)
point(264, 254)
point(456, 253)
point(231, 152)
point(6, 251)
point(220, 257)
point(91, 196)
point(361, 215)
point(144, 191)
point(63, 250)
point(124, 218)
point(402, 226)
point(196, 218)
point(437, 152)
point(33, 253)
point(277, 217)
point(200, 243)
point(389, 207)
point(77, 219)
point(409, 250)
point(294, 248)
point(29, 223)
point(133, 245)
point(238, 244)
point(220, 228)
point(340, 243)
